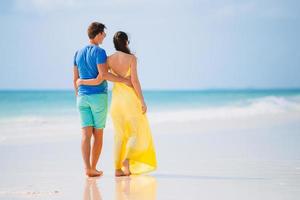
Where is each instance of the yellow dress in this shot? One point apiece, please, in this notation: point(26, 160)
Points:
point(133, 138)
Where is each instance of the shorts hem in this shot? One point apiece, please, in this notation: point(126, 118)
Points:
point(99, 127)
point(87, 125)
point(91, 125)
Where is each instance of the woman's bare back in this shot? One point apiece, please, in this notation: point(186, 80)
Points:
point(120, 63)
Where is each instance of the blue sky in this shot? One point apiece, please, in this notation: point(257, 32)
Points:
point(191, 44)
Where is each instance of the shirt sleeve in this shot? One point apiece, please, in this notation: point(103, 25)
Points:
point(101, 56)
point(74, 60)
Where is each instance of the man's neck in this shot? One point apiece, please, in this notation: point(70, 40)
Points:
point(93, 42)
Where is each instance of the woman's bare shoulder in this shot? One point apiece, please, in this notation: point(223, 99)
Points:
point(132, 57)
point(111, 57)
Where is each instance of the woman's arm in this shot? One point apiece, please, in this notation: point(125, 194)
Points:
point(103, 75)
point(136, 84)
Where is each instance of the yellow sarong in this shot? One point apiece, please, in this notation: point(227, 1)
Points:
point(133, 138)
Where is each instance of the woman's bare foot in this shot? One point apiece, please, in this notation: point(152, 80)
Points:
point(119, 172)
point(93, 172)
point(126, 167)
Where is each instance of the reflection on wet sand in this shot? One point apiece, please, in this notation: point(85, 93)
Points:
point(126, 188)
point(135, 187)
point(91, 190)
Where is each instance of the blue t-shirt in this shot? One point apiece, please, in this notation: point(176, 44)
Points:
point(86, 61)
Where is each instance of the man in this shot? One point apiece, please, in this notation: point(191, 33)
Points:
point(90, 63)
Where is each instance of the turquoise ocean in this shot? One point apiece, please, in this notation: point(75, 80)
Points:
point(36, 112)
point(51, 103)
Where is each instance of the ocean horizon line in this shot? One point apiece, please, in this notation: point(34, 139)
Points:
point(249, 89)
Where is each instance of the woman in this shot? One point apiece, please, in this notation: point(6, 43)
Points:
point(134, 148)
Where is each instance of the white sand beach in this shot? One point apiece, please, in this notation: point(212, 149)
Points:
point(221, 162)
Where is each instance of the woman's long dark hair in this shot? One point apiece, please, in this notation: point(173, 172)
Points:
point(120, 41)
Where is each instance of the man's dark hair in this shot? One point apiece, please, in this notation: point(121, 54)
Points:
point(94, 29)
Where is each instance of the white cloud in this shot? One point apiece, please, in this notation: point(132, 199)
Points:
point(53, 5)
point(257, 9)
point(43, 5)
point(233, 10)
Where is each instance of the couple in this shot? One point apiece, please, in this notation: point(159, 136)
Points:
point(133, 149)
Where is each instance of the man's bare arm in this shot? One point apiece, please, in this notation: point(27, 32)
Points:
point(75, 78)
point(104, 74)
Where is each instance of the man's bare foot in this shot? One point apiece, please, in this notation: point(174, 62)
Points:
point(93, 173)
point(119, 172)
point(126, 167)
point(100, 172)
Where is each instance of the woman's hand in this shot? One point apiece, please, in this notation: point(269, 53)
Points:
point(144, 107)
point(78, 82)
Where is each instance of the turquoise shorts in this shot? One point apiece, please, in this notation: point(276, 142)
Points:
point(93, 110)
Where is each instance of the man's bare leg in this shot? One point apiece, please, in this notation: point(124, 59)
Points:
point(97, 147)
point(87, 133)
